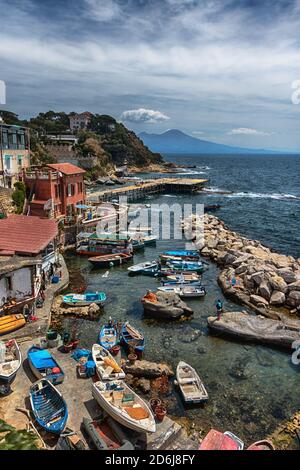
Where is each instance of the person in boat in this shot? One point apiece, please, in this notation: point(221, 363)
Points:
point(150, 296)
point(219, 307)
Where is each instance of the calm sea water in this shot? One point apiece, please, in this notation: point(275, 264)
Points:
point(252, 388)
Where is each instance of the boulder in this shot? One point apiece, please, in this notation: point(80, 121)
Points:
point(288, 275)
point(277, 298)
point(294, 286)
point(205, 251)
point(93, 309)
point(147, 369)
point(241, 269)
point(265, 290)
point(258, 300)
point(278, 283)
point(258, 277)
point(293, 299)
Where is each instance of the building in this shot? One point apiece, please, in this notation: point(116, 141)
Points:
point(14, 153)
point(80, 121)
point(29, 237)
point(20, 282)
point(55, 191)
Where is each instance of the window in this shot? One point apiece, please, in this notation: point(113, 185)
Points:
point(20, 160)
point(7, 162)
point(9, 284)
point(80, 188)
point(70, 190)
point(57, 191)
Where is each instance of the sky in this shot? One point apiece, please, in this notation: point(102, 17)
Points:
point(220, 70)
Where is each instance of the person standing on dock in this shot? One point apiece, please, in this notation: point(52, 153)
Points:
point(219, 307)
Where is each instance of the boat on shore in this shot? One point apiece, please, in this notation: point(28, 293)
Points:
point(44, 366)
point(106, 434)
point(132, 339)
point(124, 405)
point(10, 323)
point(107, 261)
point(140, 267)
point(188, 291)
point(190, 384)
point(84, 300)
point(11, 363)
point(107, 367)
point(108, 336)
point(48, 406)
point(216, 440)
point(262, 445)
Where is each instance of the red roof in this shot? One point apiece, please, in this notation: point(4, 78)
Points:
point(66, 168)
point(23, 234)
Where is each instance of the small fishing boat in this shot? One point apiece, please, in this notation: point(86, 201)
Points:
point(106, 366)
point(138, 268)
point(48, 406)
point(108, 336)
point(261, 445)
point(182, 280)
point(44, 366)
point(216, 440)
point(84, 300)
point(9, 323)
point(12, 362)
point(150, 240)
point(124, 405)
point(238, 441)
point(138, 245)
point(190, 384)
point(107, 261)
point(188, 255)
point(106, 434)
point(132, 339)
point(194, 266)
point(188, 291)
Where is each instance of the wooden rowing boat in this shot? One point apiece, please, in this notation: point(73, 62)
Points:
point(132, 338)
point(261, 445)
point(10, 323)
point(138, 268)
point(108, 336)
point(190, 384)
point(107, 261)
point(44, 366)
point(107, 367)
point(124, 405)
point(84, 300)
point(216, 440)
point(48, 406)
point(12, 362)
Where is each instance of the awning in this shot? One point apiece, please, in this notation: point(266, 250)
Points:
point(83, 207)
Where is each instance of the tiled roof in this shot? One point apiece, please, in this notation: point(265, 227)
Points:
point(22, 234)
point(66, 168)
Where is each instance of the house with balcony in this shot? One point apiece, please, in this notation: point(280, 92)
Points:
point(14, 153)
point(56, 191)
point(79, 122)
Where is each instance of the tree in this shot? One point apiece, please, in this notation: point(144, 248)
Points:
point(13, 439)
point(19, 196)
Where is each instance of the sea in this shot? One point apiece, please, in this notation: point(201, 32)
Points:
point(252, 388)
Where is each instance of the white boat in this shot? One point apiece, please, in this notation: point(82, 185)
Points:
point(11, 363)
point(185, 291)
point(238, 441)
point(141, 266)
point(106, 366)
point(124, 405)
point(190, 384)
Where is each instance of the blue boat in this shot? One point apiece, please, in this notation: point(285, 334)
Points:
point(108, 336)
point(48, 406)
point(44, 366)
point(179, 255)
point(133, 339)
point(84, 300)
point(194, 266)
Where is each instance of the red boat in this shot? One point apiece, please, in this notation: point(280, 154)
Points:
point(262, 445)
point(216, 440)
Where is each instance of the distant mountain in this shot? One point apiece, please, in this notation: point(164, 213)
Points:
point(175, 141)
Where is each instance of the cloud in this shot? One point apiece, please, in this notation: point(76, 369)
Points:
point(102, 10)
point(247, 131)
point(144, 115)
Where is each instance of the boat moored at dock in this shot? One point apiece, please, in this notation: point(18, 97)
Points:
point(84, 300)
point(190, 384)
point(107, 261)
point(188, 291)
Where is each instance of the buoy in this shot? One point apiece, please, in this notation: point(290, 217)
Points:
point(56, 370)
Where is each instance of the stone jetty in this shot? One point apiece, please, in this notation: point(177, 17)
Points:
point(251, 273)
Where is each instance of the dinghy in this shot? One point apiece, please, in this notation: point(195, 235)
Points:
point(107, 434)
point(106, 366)
point(150, 240)
point(108, 337)
point(124, 405)
point(190, 384)
point(261, 445)
point(216, 440)
point(182, 279)
point(188, 255)
point(188, 291)
point(12, 362)
point(133, 339)
point(107, 261)
point(48, 406)
point(44, 366)
point(187, 266)
point(138, 245)
point(138, 268)
point(10, 323)
point(84, 300)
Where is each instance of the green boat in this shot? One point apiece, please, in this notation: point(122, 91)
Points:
point(84, 300)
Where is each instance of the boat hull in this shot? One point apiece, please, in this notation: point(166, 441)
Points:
point(8, 378)
point(10, 323)
point(97, 262)
point(55, 379)
point(125, 340)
